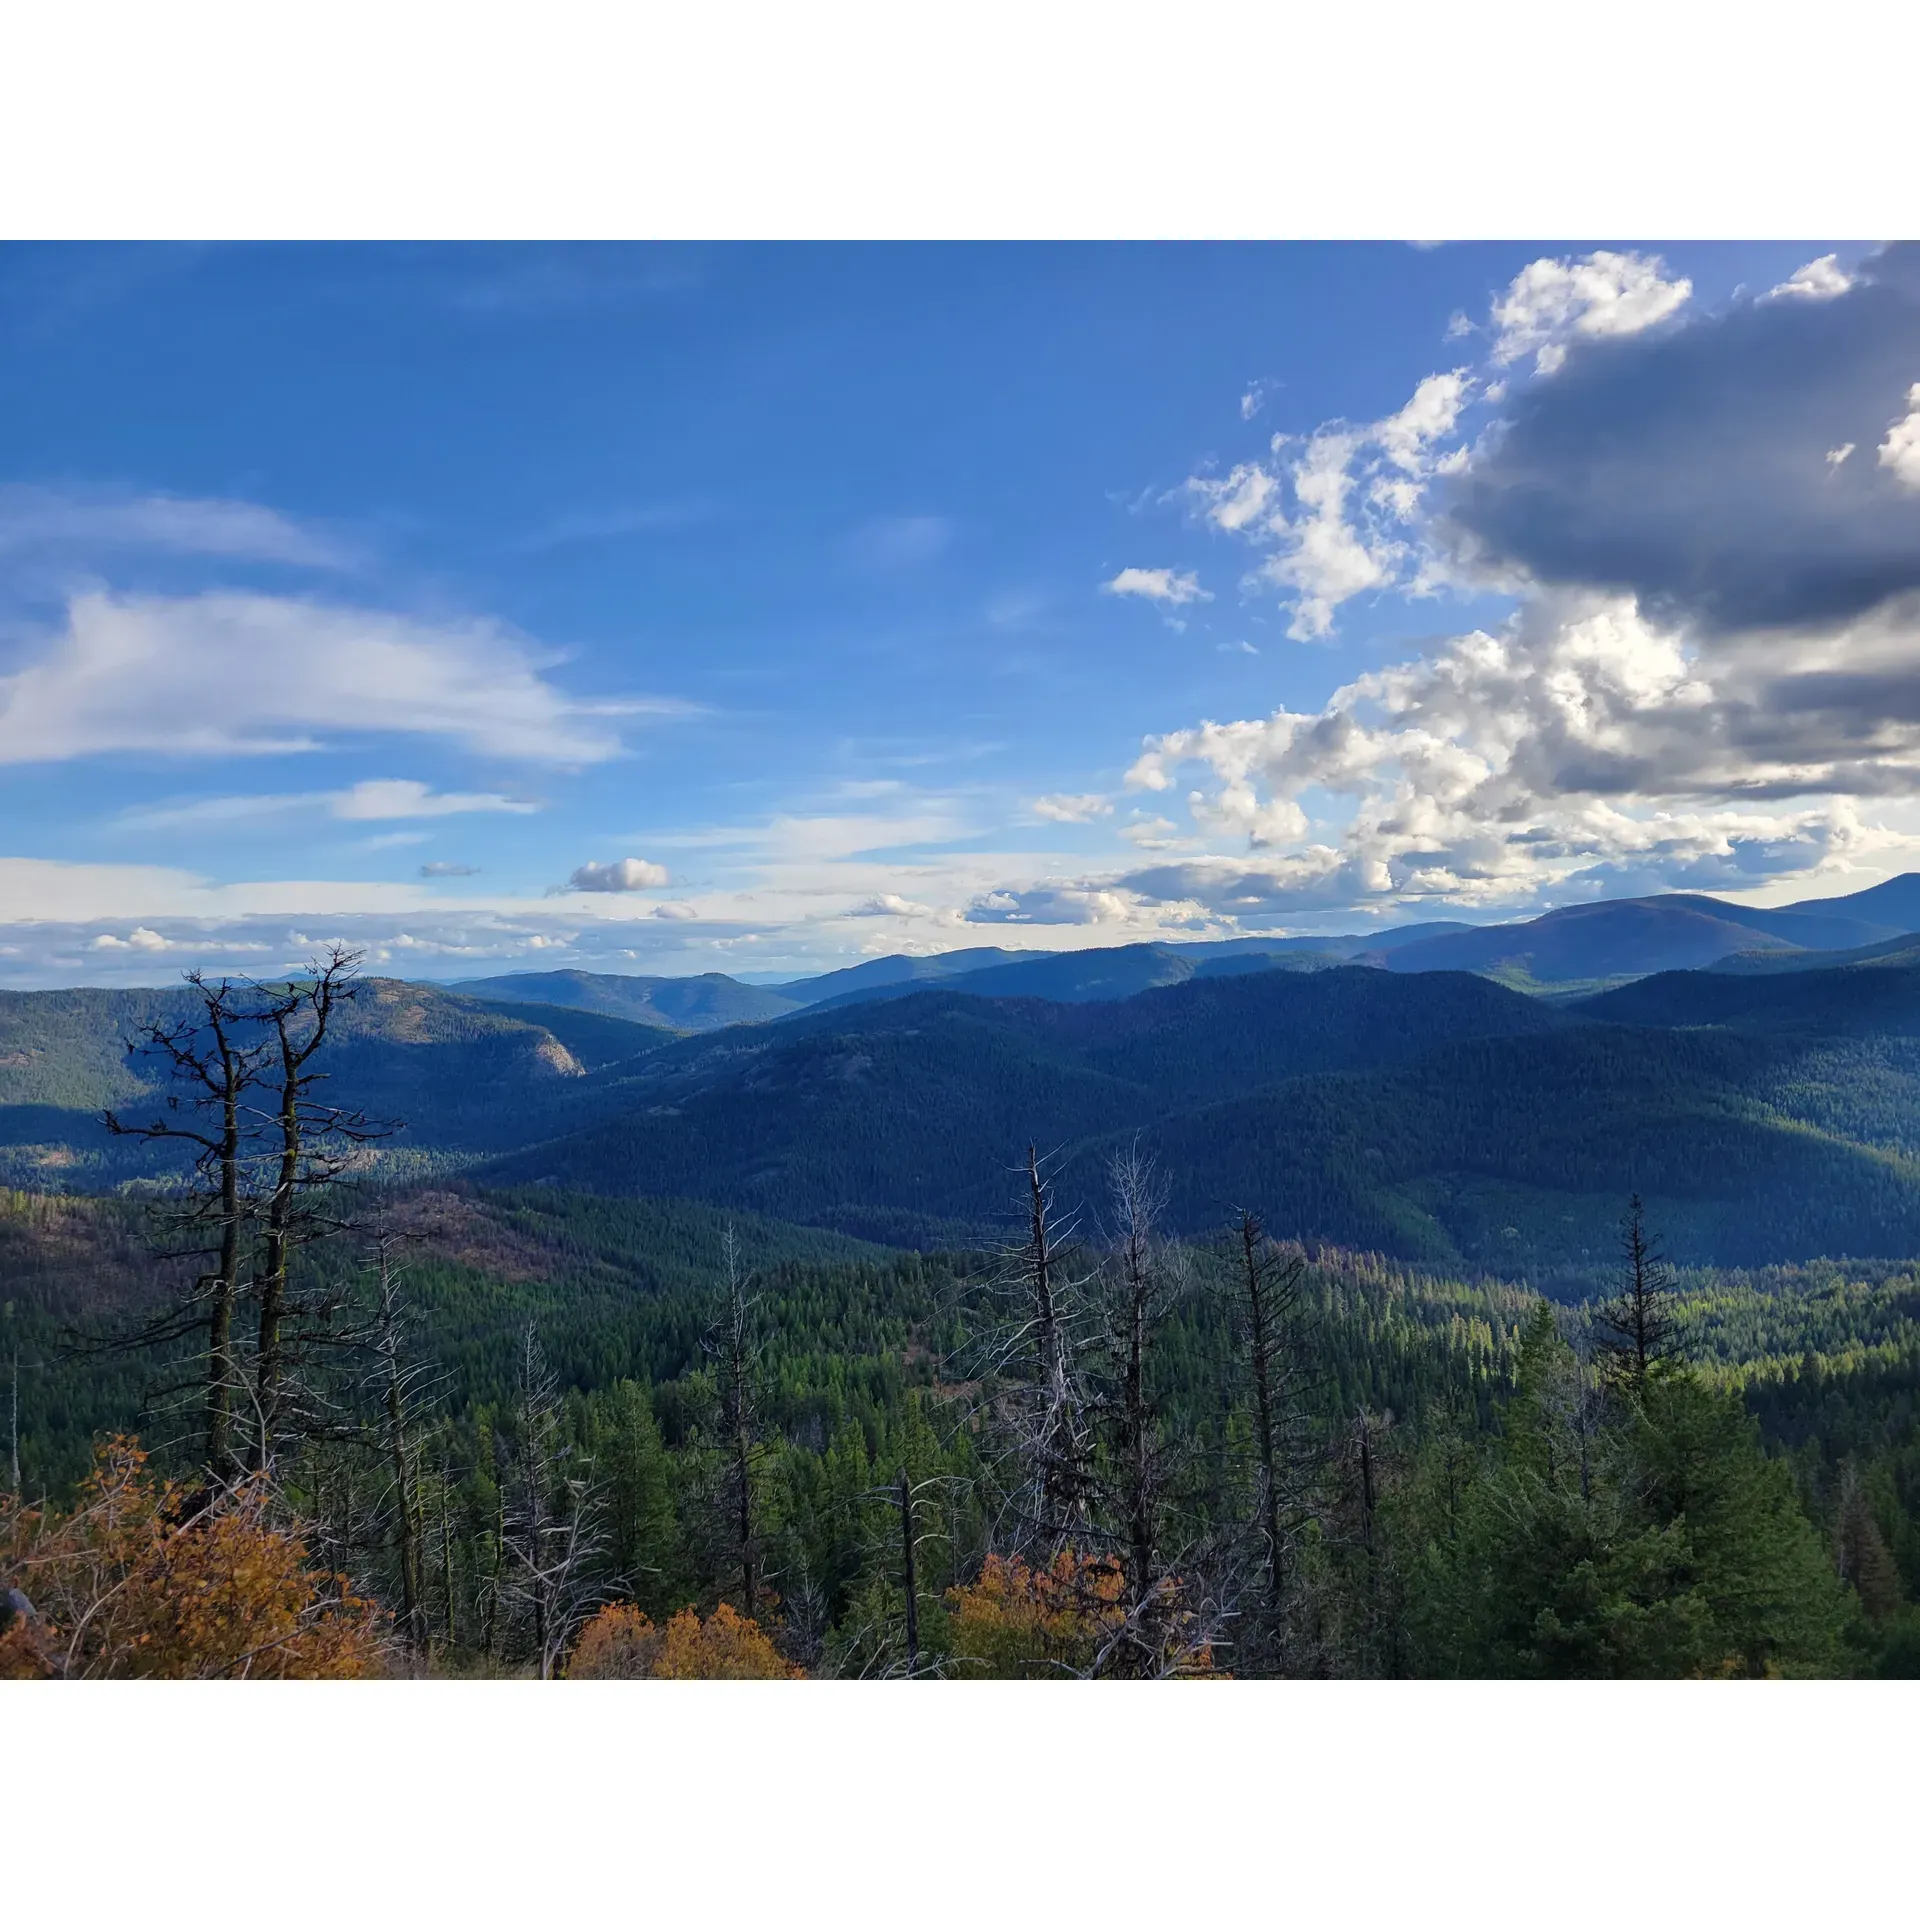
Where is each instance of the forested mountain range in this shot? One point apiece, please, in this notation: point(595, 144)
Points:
point(1436, 1116)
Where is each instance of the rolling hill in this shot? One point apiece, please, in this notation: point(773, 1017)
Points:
point(1767, 1112)
point(692, 1004)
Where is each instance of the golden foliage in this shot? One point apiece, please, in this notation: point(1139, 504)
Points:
point(621, 1643)
point(1016, 1622)
point(141, 1580)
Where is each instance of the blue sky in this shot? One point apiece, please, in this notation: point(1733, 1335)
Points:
point(761, 608)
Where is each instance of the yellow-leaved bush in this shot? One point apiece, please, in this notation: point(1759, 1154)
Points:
point(143, 1579)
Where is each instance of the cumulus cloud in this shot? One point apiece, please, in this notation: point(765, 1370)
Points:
point(1068, 904)
point(1584, 738)
point(1072, 809)
point(1690, 465)
point(888, 906)
point(1552, 302)
point(1158, 583)
point(1900, 450)
point(1330, 510)
point(141, 940)
point(130, 674)
point(96, 520)
point(617, 876)
point(1818, 280)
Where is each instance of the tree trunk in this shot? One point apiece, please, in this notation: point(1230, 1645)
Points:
point(906, 1555)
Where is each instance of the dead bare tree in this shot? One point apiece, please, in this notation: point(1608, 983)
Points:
point(407, 1389)
point(1269, 1300)
point(1137, 1287)
point(549, 1535)
point(733, 1342)
point(1039, 1395)
point(313, 1145)
point(215, 1061)
point(13, 1400)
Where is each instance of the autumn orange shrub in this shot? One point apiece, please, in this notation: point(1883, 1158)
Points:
point(140, 1581)
point(621, 1643)
point(1016, 1622)
point(1069, 1618)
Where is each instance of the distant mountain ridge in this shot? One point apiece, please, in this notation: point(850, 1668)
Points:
point(1598, 942)
point(689, 1003)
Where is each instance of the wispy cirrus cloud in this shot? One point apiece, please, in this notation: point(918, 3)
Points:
point(1072, 809)
point(96, 521)
point(228, 673)
point(365, 800)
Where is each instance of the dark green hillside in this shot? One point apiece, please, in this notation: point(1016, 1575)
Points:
point(919, 1108)
point(1878, 998)
point(1903, 950)
point(1436, 1117)
point(896, 969)
point(66, 1048)
point(594, 1039)
point(691, 1005)
point(465, 1075)
point(1513, 1153)
point(917, 1104)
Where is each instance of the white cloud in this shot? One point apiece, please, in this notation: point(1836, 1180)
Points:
point(1072, 809)
point(1328, 510)
point(1430, 415)
point(96, 521)
point(1900, 450)
point(415, 800)
point(1583, 739)
point(1158, 583)
point(240, 673)
point(1239, 502)
point(1819, 279)
point(446, 870)
point(888, 906)
point(1835, 455)
point(365, 800)
point(617, 876)
point(1115, 912)
point(1255, 397)
point(1326, 560)
point(1552, 302)
point(141, 940)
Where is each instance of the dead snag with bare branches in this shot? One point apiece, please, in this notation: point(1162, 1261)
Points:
point(733, 1342)
point(215, 1060)
point(549, 1536)
point(406, 1392)
point(1269, 1288)
point(1138, 1286)
point(1044, 1400)
point(313, 1146)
